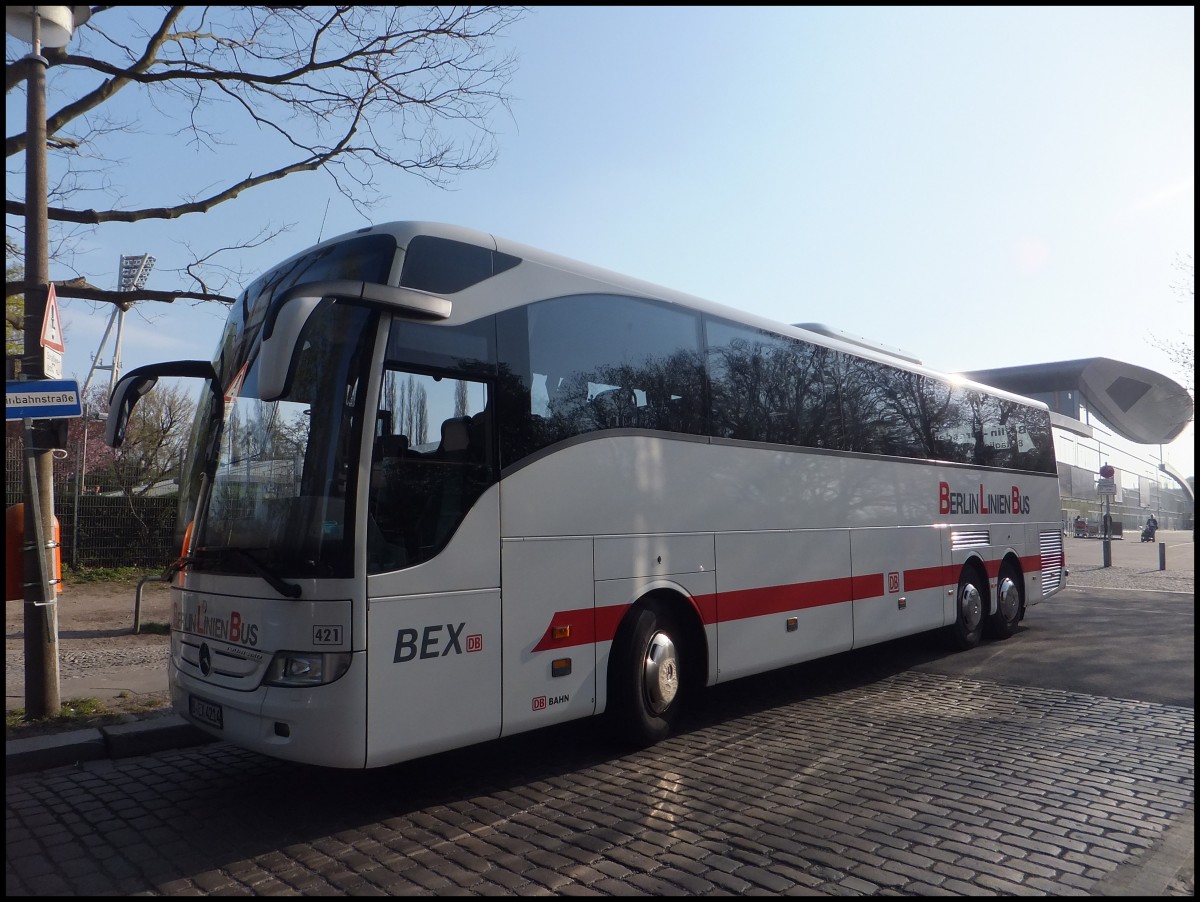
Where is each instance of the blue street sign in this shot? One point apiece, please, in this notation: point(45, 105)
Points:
point(47, 399)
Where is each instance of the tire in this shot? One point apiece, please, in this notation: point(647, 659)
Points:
point(970, 603)
point(1010, 604)
point(645, 676)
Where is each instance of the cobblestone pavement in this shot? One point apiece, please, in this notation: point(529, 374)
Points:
point(77, 662)
point(1090, 576)
point(914, 784)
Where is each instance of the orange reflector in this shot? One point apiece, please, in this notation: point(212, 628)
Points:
point(561, 632)
point(560, 667)
point(792, 624)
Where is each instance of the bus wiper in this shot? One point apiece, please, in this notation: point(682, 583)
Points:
point(291, 590)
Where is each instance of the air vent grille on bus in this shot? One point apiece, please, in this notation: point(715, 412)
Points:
point(970, 538)
point(1052, 560)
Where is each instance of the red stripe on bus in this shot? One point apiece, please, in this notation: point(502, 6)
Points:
point(870, 586)
point(706, 605)
point(580, 625)
point(930, 578)
point(589, 625)
point(746, 603)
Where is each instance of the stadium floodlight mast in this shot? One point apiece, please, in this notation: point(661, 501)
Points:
point(134, 272)
point(133, 275)
point(39, 26)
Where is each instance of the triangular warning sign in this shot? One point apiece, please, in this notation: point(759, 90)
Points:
point(52, 334)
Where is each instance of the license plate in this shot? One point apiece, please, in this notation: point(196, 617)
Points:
point(206, 712)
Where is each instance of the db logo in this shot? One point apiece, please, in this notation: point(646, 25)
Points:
point(893, 581)
point(539, 703)
point(475, 642)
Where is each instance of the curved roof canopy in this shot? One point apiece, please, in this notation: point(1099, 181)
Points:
point(1136, 403)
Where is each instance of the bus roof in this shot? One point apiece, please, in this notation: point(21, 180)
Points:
point(563, 275)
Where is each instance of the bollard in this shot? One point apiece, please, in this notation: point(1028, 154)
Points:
point(137, 599)
point(1162, 555)
point(1107, 552)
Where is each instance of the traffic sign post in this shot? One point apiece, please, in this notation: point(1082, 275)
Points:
point(41, 617)
point(52, 341)
point(1106, 488)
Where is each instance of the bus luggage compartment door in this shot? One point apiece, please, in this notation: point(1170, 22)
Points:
point(549, 617)
point(434, 680)
point(898, 582)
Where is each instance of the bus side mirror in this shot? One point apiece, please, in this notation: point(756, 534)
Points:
point(280, 335)
point(135, 384)
point(128, 392)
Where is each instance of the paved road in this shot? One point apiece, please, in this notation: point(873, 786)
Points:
point(1059, 762)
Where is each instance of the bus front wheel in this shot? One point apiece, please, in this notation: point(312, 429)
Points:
point(969, 605)
point(645, 676)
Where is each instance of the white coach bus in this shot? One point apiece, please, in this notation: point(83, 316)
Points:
point(445, 488)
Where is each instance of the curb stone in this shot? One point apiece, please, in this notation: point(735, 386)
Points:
point(118, 741)
point(41, 752)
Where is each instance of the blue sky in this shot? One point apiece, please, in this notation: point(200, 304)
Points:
point(982, 187)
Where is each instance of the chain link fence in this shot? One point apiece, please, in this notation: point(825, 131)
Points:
point(103, 522)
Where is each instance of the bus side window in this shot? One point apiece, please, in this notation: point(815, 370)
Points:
point(386, 544)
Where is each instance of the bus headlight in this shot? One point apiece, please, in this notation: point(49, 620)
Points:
point(306, 668)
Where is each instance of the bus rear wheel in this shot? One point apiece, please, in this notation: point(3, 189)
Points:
point(1003, 623)
point(969, 606)
point(645, 676)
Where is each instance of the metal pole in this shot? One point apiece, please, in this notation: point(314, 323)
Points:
point(1162, 555)
point(96, 364)
point(41, 614)
point(1106, 524)
point(114, 371)
point(80, 484)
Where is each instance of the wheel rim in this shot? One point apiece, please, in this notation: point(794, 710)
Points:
point(660, 674)
point(1009, 599)
point(970, 606)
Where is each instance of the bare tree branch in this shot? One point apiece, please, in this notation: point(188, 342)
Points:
point(348, 91)
point(95, 217)
point(80, 288)
point(58, 56)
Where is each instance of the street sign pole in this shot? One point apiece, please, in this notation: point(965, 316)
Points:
point(41, 617)
point(41, 404)
point(42, 693)
point(1107, 532)
point(42, 697)
point(1107, 487)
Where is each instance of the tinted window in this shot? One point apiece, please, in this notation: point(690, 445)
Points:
point(444, 267)
point(469, 348)
point(894, 411)
point(769, 388)
point(590, 362)
point(431, 460)
point(575, 365)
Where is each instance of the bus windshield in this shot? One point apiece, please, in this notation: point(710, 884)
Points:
point(281, 473)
